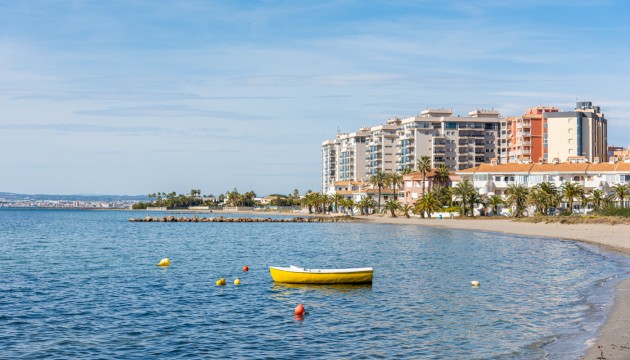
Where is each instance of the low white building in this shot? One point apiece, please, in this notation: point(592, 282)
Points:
point(496, 178)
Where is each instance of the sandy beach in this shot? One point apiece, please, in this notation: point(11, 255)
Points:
point(614, 339)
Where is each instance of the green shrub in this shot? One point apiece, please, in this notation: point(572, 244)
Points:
point(613, 211)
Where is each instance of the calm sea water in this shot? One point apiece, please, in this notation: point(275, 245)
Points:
point(84, 284)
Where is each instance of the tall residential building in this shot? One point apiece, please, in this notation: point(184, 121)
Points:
point(380, 148)
point(329, 163)
point(350, 159)
point(523, 137)
point(581, 133)
point(457, 142)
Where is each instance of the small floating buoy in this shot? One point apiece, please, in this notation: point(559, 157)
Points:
point(221, 282)
point(245, 268)
point(299, 310)
point(237, 281)
point(474, 283)
point(164, 262)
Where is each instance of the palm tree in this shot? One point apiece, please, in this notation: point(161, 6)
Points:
point(391, 206)
point(336, 199)
point(424, 166)
point(538, 199)
point(622, 192)
point(570, 191)
point(464, 190)
point(442, 175)
point(406, 171)
point(394, 179)
point(348, 205)
point(311, 199)
point(476, 199)
point(428, 203)
point(495, 201)
point(406, 208)
point(544, 196)
point(379, 180)
point(517, 197)
point(597, 196)
point(365, 204)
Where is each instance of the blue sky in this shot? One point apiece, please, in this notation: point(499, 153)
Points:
point(134, 97)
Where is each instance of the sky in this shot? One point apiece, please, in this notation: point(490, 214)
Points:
point(136, 97)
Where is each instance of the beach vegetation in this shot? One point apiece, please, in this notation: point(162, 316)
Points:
point(424, 166)
point(442, 175)
point(405, 209)
point(494, 201)
point(621, 193)
point(348, 205)
point(597, 197)
point(366, 204)
point(517, 195)
point(614, 211)
point(379, 180)
point(173, 200)
point(570, 192)
point(428, 203)
point(394, 179)
point(392, 206)
point(336, 199)
point(463, 191)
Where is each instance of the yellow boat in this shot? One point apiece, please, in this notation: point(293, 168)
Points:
point(298, 275)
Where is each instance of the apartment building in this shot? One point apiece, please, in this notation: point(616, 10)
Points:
point(523, 137)
point(457, 142)
point(454, 141)
point(619, 152)
point(350, 155)
point(329, 163)
point(579, 133)
point(380, 148)
point(496, 178)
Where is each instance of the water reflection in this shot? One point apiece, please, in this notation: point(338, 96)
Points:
point(330, 289)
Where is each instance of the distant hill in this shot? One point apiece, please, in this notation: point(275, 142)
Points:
point(14, 197)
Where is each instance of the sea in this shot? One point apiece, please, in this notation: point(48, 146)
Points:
point(84, 285)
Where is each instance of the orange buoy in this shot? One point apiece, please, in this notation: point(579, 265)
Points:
point(245, 268)
point(299, 310)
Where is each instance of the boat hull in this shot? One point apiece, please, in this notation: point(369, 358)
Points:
point(321, 276)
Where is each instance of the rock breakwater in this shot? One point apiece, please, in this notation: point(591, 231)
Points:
point(298, 219)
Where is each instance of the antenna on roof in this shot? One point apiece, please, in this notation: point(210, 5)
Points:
point(338, 130)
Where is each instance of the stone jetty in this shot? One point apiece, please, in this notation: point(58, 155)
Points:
point(332, 219)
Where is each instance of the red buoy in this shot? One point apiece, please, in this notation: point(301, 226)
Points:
point(299, 310)
point(245, 268)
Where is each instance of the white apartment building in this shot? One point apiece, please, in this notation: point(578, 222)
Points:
point(350, 156)
point(457, 142)
point(329, 163)
point(579, 133)
point(380, 148)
